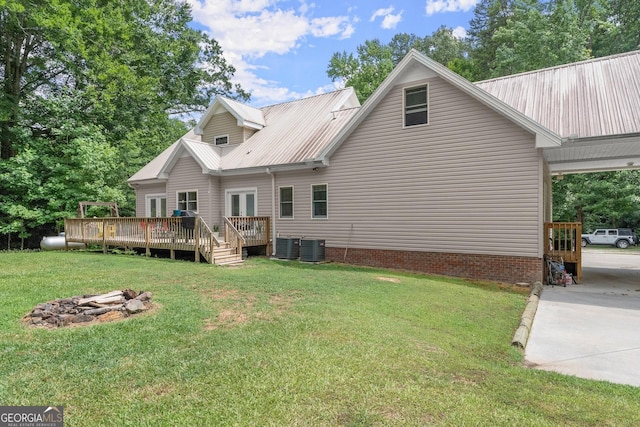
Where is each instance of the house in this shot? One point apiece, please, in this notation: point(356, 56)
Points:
point(432, 173)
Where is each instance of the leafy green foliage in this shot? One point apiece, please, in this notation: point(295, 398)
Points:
point(599, 200)
point(91, 91)
point(510, 37)
point(44, 182)
point(375, 60)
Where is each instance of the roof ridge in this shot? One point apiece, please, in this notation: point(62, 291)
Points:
point(570, 64)
point(303, 99)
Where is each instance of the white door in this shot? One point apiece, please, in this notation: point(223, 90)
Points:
point(156, 205)
point(241, 203)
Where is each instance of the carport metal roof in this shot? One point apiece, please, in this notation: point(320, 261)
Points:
point(593, 105)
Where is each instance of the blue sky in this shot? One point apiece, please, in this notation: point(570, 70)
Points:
point(281, 48)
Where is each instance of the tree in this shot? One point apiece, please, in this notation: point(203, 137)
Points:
point(618, 26)
point(488, 17)
point(599, 200)
point(108, 76)
point(511, 36)
point(536, 36)
point(374, 60)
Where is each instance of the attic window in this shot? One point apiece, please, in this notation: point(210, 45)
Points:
point(415, 106)
point(221, 140)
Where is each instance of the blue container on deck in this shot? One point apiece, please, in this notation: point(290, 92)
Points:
point(177, 212)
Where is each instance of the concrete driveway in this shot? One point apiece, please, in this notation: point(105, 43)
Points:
point(592, 330)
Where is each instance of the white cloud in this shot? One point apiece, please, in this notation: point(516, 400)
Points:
point(438, 6)
point(247, 30)
point(459, 32)
point(389, 19)
point(331, 26)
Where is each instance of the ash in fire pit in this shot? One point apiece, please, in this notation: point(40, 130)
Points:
point(89, 308)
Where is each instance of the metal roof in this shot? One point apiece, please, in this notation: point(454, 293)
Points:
point(295, 131)
point(152, 169)
point(585, 99)
point(294, 134)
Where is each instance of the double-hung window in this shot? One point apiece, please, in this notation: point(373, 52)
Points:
point(319, 201)
point(286, 202)
point(188, 201)
point(416, 110)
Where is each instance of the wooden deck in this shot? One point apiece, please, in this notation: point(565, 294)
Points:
point(564, 243)
point(174, 234)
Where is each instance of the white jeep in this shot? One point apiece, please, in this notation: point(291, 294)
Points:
point(620, 237)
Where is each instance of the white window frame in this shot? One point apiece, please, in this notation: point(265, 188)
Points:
point(147, 202)
point(187, 201)
point(313, 216)
point(215, 139)
point(280, 202)
point(404, 105)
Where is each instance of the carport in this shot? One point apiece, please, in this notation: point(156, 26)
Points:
point(594, 106)
point(588, 330)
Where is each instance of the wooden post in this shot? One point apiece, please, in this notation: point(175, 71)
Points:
point(212, 239)
point(147, 238)
point(104, 237)
point(196, 238)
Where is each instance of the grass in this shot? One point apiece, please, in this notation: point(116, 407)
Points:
point(283, 343)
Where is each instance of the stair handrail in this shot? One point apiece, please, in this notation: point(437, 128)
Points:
point(232, 232)
point(206, 240)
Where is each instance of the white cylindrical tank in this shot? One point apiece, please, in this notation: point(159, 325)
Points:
point(54, 243)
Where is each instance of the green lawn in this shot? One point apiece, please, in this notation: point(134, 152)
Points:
point(283, 343)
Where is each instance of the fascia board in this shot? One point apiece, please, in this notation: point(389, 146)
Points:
point(273, 168)
point(147, 181)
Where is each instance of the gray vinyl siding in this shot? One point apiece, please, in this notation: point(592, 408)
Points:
point(223, 124)
point(261, 182)
point(547, 193)
point(468, 182)
point(141, 193)
point(187, 175)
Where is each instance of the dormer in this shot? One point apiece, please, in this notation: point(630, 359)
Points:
point(228, 122)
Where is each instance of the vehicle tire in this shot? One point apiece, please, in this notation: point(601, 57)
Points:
point(584, 242)
point(622, 244)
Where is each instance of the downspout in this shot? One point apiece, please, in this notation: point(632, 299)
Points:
point(273, 212)
point(210, 196)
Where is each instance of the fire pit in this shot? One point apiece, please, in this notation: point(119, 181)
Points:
point(87, 309)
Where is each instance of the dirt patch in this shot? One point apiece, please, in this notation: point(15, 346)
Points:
point(388, 279)
point(235, 308)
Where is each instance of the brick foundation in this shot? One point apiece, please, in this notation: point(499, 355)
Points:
point(500, 268)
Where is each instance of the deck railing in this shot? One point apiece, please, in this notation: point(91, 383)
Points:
point(255, 230)
point(175, 233)
point(563, 240)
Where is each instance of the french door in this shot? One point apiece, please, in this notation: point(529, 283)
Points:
point(241, 202)
point(156, 205)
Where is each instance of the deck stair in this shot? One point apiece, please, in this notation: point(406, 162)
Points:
point(226, 255)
